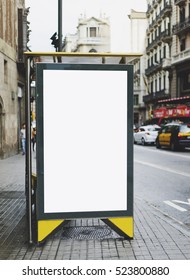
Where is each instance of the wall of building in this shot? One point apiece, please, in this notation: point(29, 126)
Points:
point(10, 78)
point(87, 41)
point(138, 23)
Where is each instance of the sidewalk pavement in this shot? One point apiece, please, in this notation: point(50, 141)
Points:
point(156, 235)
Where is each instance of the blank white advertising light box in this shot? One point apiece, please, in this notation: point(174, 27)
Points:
point(85, 140)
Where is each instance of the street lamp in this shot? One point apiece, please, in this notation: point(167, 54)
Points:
point(59, 25)
point(57, 42)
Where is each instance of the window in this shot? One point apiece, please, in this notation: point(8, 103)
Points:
point(155, 58)
point(93, 32)
point(159, 30)
point(5, 71)
point(164, 24)
point(185, 128)
point(182, 45)
point(160, 83)
point(168, 129)
point(136, 99)
point(92, 51)
point(164, 52)
point(141, 129)
point(155, 85)
point(151, 60)
point(185, 79)
point(182, 14)
point(151, 87)
point(164, 80)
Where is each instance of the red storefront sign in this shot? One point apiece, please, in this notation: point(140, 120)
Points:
point(179, 111)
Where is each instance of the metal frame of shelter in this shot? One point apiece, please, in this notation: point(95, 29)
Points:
point(38, 231)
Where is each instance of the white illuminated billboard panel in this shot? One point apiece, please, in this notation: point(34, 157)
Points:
point(84, 144)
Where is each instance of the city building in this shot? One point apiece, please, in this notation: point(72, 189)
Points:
point(93, 35)
point(168, 56)
point(158, 49)
point(138, 23)
point(13, 42)
point(179, 64)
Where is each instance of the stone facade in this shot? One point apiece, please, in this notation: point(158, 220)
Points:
point(158, 50)
point(93, 35)
point(138, 23)
point(168, 53)
point(12, 80)
point(180, 52)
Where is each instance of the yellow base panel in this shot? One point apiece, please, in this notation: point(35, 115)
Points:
point(125, 225)
point(46, 227)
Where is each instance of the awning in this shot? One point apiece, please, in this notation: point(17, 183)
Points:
point(175, 100)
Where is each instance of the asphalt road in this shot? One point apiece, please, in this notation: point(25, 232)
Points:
point(162, 179)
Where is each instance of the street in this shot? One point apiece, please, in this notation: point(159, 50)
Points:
point(161, 178)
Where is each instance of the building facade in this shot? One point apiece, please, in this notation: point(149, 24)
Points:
point(13, 41)
point(180, 52)
point(93, 35)
point(168, 55)
point(138, 23)
point(158, 50)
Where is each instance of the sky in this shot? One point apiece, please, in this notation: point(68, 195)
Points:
point(43, 20)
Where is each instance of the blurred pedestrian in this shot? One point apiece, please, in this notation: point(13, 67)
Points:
point(23, 138)
point(33, 138)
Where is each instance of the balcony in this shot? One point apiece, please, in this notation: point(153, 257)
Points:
point(166, 63)
point(148, 10)
point(166, 36)
point(155, 3)
point(155, 96)
point(181, 27)
point(153, 68)
point(166, 11)
point(151, 7)
point(180, 2)
point(154, 43)
point(92, 40)
point(181, 57)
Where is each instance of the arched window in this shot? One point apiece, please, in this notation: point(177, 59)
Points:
point(93, 51)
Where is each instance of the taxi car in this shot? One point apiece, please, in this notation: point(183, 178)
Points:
point(174, 136)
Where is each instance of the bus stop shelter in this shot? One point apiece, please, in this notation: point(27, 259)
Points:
point(84, 152)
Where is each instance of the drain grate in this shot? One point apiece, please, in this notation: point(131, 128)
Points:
point(89, 232)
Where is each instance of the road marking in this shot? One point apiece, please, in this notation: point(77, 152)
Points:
point(170, 153)
point(182, 202)
point(175, 206)
point(162, 168)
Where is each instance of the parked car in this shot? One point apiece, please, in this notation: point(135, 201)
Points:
point(174, 136)
point(146, 134)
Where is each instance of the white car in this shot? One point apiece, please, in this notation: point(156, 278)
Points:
point(146, 134)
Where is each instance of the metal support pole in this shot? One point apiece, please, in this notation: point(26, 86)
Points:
point(28, 156)
point(60, 25)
